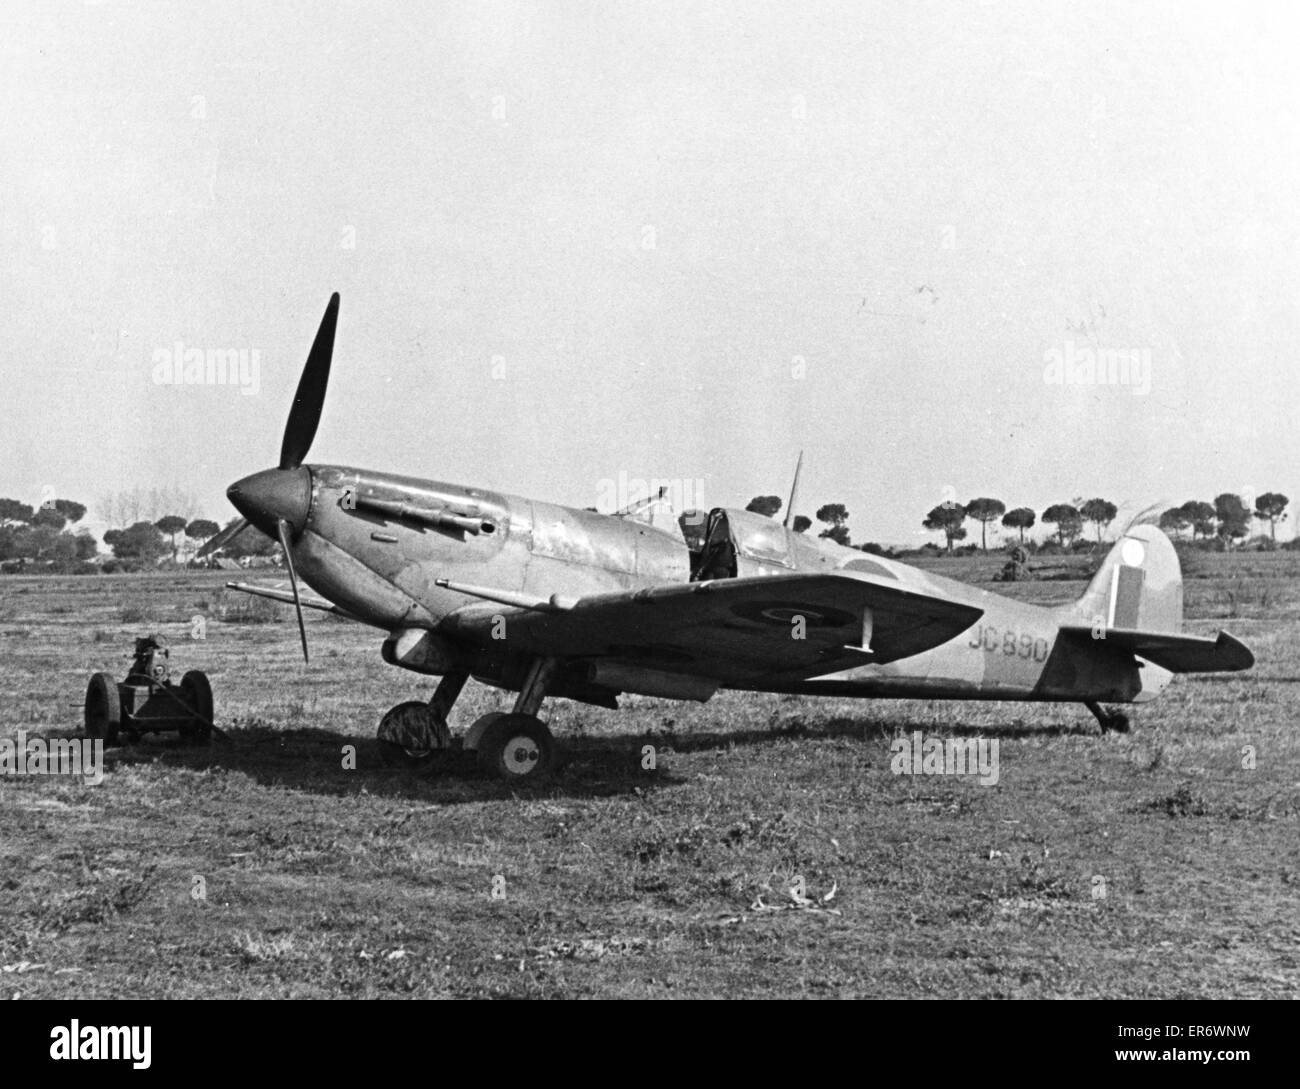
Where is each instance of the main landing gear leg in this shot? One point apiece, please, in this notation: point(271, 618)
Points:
point(412, 733)
point(518, 747)
point(1110, 720)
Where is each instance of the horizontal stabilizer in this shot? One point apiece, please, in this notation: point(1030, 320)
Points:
point(1176, 653)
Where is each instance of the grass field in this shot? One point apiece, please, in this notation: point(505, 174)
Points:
point(614, 880)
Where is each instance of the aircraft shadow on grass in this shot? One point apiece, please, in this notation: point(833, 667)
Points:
point(312, 760)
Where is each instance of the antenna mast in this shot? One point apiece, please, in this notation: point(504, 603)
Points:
point(794, 491)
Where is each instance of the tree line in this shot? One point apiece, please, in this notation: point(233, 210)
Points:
point(46, 536)
point(42, 534)
point(834, 515)
point(1226, 520)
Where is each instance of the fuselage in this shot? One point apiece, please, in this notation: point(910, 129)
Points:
point(376, 545)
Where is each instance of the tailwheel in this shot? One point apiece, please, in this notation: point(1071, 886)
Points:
point(1110, 721)
point(517, 748)
point(409, 735)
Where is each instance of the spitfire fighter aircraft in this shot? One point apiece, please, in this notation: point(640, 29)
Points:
point(545, 600)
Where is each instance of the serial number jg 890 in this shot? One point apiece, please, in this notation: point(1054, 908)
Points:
point(1012, 643)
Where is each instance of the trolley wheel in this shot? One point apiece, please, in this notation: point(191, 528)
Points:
point(197, 694)
point(103, 709)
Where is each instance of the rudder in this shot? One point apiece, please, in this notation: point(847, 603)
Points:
point(1132, 613)
point(1139, 586)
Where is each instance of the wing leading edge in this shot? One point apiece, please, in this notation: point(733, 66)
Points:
point(736, 631)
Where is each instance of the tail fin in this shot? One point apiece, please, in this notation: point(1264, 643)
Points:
point(1139, 586)
point(1135, 604)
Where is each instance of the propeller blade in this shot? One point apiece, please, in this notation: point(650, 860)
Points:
point(310, 398)
point(283, 527)
point(224, 537)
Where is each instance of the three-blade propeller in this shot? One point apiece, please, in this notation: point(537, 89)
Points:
point(299, 431)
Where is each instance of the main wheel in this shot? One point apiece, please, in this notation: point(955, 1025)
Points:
point(409, 737)
point(103, 709)
point(197, 694)
point(516, 748)
point(475, 733)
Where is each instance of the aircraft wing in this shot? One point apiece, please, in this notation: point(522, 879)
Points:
point(737, 631)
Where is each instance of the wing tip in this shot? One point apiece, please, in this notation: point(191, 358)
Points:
point(1236, 654)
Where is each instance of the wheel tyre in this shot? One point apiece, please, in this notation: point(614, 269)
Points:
point(1119, 722)
point(405, 733)
point(197, 694)
point(103, 709)
point(517, 749)
point(474, 735)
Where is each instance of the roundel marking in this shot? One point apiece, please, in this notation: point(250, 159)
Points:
point(1132, 553)
point(785, 612)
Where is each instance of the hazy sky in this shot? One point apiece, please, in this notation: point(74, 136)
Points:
point(666, 240)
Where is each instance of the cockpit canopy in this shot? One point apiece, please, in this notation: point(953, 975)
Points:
point(737, 542)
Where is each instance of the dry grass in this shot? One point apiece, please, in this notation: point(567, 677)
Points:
point(617, 881)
